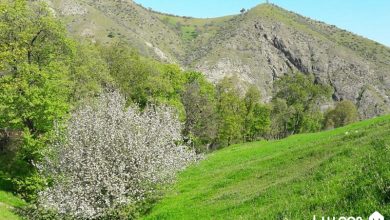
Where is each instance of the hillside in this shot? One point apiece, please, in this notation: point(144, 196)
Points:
point(259, 46)
point(92, 129)
point(342, 172)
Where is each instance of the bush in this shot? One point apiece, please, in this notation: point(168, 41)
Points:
point(111, 157)
point(344, 113)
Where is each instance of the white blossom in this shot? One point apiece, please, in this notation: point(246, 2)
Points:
point(111, 156)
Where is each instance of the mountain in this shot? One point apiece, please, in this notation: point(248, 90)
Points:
point(257, 46)
point(342, 172)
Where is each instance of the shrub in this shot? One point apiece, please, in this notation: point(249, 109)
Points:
point(344, 113)
point(110, 156)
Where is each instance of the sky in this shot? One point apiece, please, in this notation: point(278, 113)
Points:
point(368, 18)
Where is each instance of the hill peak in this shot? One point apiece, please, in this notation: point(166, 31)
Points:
point(258, 46)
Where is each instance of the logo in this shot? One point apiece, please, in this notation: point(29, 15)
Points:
point(338, 218)
point(376, 216)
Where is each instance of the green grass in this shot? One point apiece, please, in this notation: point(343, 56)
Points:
point(342, 172)
point(7, 203)
point(190, 29)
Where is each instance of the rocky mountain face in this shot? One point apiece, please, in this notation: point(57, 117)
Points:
point(258, 47)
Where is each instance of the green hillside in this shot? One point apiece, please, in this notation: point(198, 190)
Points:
point(342, 172)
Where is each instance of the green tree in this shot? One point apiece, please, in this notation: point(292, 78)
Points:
point(258, 122)
point(231, 112)
point(129, 72)
point(302, 96)
point(343, 114)
point(144, 81)
point(257, 116)
point(89, 73)
point(35, 59)
point(198, 98)
point(165, 84)
point(35, 63)
point(281, 115)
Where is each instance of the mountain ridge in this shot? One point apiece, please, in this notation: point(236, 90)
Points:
point(258, 47)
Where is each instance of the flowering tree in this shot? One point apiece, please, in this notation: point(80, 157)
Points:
point(111, 156)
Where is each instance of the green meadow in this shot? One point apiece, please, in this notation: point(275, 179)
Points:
point(341, 172)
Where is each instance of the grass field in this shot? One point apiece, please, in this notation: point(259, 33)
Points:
point(7, 203)
point(342, 172)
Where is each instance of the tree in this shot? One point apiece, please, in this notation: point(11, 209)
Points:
point(281, 116)
point(110, 156)
point(231, 112)
point(35, 67)
point(166, 84)
point(243, 10)
point(89, 73)
point(302, 97)
point(258, 122)
point(257, 116)
point(144, 81)
point(35, 58)
point(129, 72)
point(198, 99)
point(343, 114)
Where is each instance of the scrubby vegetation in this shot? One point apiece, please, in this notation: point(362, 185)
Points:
point(97, 131)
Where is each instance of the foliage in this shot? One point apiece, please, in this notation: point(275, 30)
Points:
point(35, 60)
point(296, 105)
point(198, 98)
point(230, 109)
point(219, 116)
point(344, 113)
point(34, 86)
point(89, 74)
point(110, 156)
point(144, 81)
point(129, 71)
point(257, 116)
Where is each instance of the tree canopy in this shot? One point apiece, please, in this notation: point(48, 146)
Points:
point(296, 104)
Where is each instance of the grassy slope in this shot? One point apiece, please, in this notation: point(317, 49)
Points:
point(327, 173)
point(191, 28)
point(7, 202)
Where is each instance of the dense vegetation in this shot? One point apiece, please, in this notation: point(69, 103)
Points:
point(59, 142)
